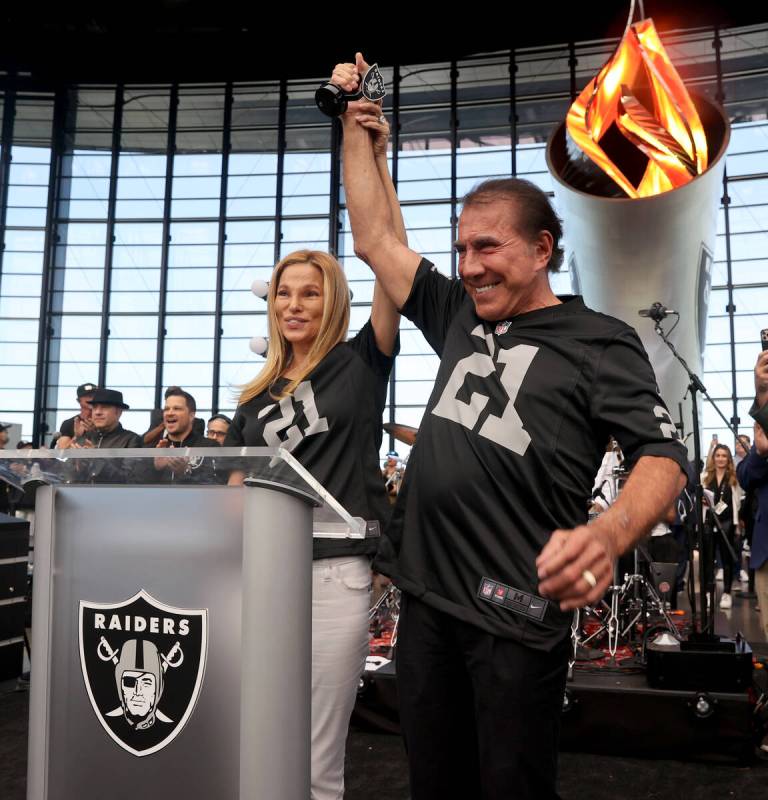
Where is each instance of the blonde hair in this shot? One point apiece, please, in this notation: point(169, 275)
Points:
point(333, 325)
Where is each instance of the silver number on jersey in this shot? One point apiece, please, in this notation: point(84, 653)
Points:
point(668, 428)
point(287, 419)
point(506, 430)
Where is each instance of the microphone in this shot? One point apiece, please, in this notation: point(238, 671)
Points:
point(657, 312)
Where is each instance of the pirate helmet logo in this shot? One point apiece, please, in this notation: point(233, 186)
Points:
point(143, 664)
point(373, 86)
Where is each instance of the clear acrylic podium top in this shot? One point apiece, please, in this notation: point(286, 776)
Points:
point(269, 467)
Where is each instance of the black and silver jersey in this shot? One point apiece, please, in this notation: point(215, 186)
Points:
point(508, 449)
point(332, 424)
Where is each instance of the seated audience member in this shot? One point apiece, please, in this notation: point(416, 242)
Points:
point(81, 423)
point(107, 407)
point(179, 426)
point(218, 425)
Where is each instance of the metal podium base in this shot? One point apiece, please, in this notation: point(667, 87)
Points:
point(105, 722)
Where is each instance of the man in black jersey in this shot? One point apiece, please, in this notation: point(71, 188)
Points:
point(488, 540)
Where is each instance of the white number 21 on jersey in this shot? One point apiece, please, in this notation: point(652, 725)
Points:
point(506, 430)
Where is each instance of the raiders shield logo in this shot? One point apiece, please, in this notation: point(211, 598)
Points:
point(373, 87)
point(143, 664)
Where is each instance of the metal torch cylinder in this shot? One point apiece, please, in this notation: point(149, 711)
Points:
point(626, 254)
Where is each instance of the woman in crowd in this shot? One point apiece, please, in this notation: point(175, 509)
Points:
point(720, 478)
point(322, 398)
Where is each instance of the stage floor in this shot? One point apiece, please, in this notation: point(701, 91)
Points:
point(376, 764)
point(377, 769)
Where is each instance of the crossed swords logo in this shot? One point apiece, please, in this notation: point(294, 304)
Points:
point(373, 84)
point(174, 658)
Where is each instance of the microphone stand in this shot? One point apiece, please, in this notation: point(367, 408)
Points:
point(706, 633)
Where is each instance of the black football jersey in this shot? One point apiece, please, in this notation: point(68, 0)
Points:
point(332, 424)
point(508, 449)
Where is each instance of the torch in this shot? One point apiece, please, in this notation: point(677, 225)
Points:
point(638, 167)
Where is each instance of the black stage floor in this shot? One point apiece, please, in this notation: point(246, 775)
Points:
point(376, 765)
point(376, 768)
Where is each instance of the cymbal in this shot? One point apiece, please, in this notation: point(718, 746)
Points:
point(403, 433)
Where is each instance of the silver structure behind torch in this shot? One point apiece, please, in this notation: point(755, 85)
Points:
point(626, 254)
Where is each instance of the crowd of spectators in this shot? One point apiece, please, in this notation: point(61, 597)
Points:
point(97, 425)
point(175, 425)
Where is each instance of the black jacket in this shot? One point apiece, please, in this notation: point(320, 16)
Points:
point(113, 470)
point(117, 437)
point(198, 470)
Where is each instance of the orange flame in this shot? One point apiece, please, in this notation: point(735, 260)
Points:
point(664, 125)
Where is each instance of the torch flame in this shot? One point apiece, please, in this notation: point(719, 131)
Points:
point(640, 93)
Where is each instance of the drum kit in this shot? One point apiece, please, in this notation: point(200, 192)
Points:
point(634, 606)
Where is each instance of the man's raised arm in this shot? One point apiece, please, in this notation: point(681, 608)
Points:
point(377, 240)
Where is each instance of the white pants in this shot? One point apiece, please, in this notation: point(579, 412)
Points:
point(340, 601)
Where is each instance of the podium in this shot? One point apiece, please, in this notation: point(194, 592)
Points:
point(171, 623)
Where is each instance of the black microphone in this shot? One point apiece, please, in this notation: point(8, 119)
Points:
point(657, 312)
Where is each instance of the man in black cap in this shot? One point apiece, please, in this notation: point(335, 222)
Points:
point(81, 423)
point(107, 407)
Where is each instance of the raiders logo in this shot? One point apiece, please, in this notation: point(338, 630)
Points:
point(143, 664)
point(373, 87)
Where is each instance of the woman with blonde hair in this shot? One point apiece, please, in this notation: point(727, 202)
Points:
point(719, 477)
point(322, 397)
